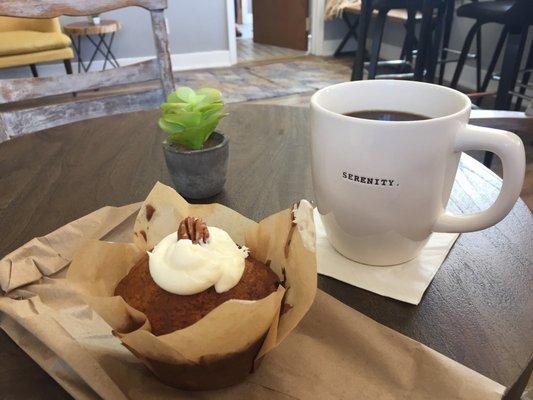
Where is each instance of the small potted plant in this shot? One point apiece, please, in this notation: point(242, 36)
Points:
point(95, 19)
point(196, 154)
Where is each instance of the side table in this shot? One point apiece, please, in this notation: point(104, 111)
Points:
point(96, 35)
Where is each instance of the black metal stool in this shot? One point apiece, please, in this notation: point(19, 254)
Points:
point(516, 16)
point(350, 16)
point(426, 52)
point(524, 84)
point(444, 60)
point(351, 19)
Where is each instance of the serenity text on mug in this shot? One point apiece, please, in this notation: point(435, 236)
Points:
point(382, 187)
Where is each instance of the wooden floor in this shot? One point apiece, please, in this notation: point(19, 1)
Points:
point(249, 51)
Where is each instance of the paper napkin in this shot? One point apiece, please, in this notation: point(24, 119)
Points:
point(406, 282)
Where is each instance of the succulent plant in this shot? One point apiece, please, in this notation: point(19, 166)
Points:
point(189, 117)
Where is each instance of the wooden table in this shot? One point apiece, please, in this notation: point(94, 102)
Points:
point(478, 310)
point(79, 30)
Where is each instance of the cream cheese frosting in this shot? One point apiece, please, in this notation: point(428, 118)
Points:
point(184, 268)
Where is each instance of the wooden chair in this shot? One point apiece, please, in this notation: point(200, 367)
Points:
point(16, 121)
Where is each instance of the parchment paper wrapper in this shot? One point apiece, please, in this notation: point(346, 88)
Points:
point(334, 353)
point(220, 349)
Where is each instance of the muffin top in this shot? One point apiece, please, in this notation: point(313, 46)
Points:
point(196, 258)
point(191, 272)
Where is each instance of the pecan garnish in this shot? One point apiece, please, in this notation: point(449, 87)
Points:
point(194, 229)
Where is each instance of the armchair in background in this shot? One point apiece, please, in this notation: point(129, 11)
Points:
point(29, 41)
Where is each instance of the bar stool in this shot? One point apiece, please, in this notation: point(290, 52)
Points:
point(425, 52)
point(524, 84)
point(350, 16)
point(450, 12)
point(351, 19)
point(516, 16)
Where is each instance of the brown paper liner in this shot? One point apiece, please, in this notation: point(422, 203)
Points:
point(207, 374)
point(221, 348)
point(46, 255)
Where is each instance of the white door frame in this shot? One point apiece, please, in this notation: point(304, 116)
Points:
point(316, 9)
point(232, 37)
point(317, 26)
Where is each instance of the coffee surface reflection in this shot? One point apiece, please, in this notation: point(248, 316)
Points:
point(386, 115)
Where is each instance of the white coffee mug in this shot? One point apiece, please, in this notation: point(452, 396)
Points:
point(382, 187)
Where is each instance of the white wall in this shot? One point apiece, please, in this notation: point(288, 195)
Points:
point(246, 11)
point(198, 36)
point(195, 26)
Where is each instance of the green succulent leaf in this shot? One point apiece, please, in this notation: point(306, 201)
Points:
point(211, 110)
point(189, 117)
point(173, 98)
point(196, 100)
point(192, 138)
point(212, 95)
point(186, 118)
point(185, 94)
point(170, 128)
point(173, 107)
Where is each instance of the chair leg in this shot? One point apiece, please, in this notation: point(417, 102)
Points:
point(351, 33)
point(448, 22)
point(34, 71)
point(340, 47)
point(376, 42)
point(464, 52)
point(478, 60)
point(510, 66)
point(493, 62)
point(525, 79)
point(487, 159)
point(436, 45)
point(409, 42)
point(362, 32)
point(514, 49)
point(68, 66)
point(406, 26)
point(424, 40)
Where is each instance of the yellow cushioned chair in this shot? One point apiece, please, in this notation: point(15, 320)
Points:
point(27, 41)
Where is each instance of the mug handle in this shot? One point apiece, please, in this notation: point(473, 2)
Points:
point(510, 149)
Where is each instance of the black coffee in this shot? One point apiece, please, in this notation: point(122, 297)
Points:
point(386, 115)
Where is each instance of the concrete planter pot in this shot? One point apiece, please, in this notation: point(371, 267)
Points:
point(198, 174)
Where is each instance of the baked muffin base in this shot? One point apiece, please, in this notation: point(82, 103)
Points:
point(168, 312)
